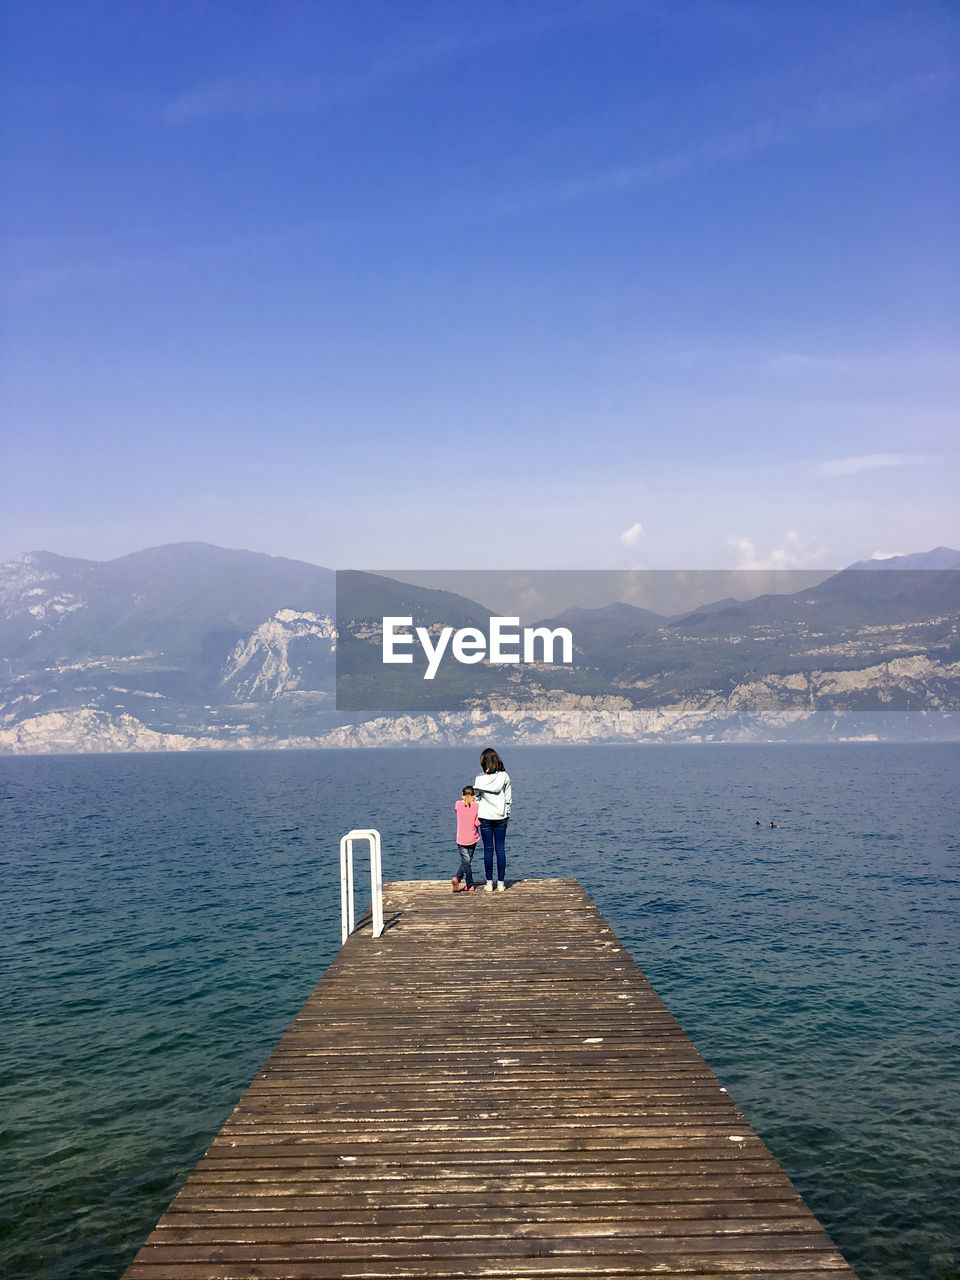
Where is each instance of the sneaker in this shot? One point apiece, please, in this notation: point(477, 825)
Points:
point(489, 886)
point(456, 884)
point(471, 888)
point(500, 886)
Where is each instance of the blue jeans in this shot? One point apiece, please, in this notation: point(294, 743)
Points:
point(465, 872)
point(493, 833)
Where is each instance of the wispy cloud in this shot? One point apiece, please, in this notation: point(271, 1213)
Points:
point(916, 361)
point(790, 364)
point(816, 115)
point(41, 266)
point(269, 91)
point(266, 89)
point(837, 467)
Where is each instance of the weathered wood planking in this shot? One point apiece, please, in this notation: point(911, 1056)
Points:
point(490, 1089)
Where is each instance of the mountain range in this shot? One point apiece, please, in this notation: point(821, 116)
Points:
point(194, 646)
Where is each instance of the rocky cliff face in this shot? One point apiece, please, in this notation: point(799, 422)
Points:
point(277, 658)
point(817, 706)
point(29, 586)
point(820, 706)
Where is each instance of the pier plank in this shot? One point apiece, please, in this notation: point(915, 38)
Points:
point(492, 1088)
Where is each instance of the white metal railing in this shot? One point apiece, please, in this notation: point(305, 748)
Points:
point(347, 917)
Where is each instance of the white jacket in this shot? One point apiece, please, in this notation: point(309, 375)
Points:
point(493, 794)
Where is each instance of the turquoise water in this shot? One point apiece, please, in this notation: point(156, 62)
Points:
point(163, 917)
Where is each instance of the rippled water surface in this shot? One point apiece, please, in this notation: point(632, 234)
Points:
point(162, 918)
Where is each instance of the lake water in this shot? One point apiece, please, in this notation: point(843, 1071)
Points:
point(162, 918)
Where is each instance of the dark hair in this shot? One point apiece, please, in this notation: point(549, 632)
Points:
point(490, 762)
point(467, 788)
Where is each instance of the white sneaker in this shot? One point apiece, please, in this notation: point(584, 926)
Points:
point(489, 886)
point(500, 886)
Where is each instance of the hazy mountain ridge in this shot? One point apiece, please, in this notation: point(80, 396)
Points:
point(185, 639)
point(938, 558)
point(192, 646)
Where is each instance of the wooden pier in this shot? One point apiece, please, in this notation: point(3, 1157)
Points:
point(492, 1088)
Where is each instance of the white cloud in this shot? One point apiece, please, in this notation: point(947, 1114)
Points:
point(868, 462)
point(885, 555)
point(630, 537)
point(797, 552)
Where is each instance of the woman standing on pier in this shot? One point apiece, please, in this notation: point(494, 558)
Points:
point(494, 798)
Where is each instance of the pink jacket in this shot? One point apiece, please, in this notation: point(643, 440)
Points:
point(468, 821)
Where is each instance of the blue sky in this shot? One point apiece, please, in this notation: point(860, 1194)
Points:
point(559, 285)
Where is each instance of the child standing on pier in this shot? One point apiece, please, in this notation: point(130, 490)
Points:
point(468, 836)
